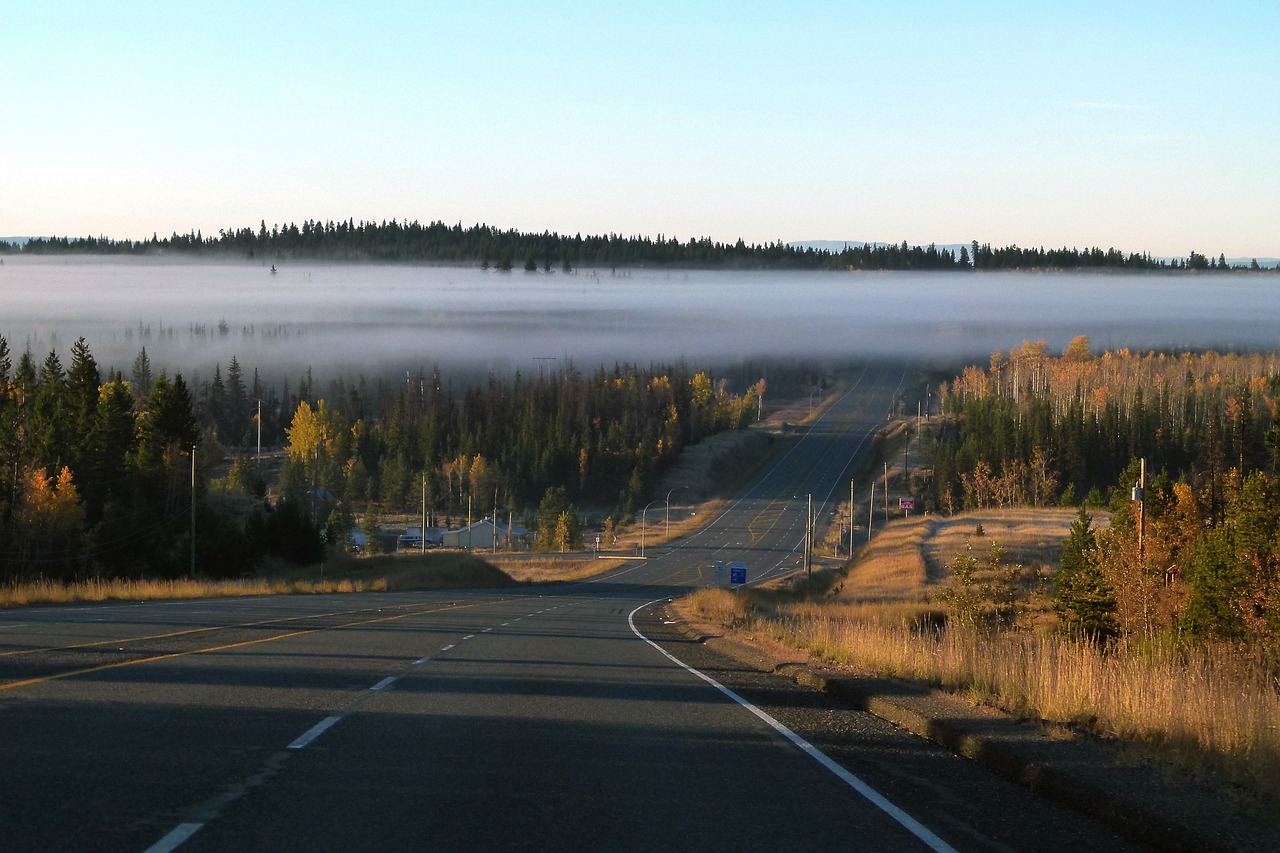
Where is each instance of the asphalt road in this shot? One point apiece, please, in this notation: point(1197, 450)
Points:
point(567, 718)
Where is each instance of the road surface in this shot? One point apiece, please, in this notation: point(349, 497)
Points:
point(561, 718)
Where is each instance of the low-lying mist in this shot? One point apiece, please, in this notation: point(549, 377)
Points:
point(345, 319)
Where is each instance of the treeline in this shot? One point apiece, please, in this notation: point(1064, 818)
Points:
point(106, 477)
point(101, 475)
point(598, 438)
point(1034, 429)
point(1016, 258)
point(486, 245)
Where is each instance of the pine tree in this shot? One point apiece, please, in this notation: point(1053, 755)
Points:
point(49, 429)
point(83, 381)
point(1083, 599)
point(140, 375)
point(236, 417)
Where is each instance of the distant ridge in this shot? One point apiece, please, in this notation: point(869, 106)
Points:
point(836, 246)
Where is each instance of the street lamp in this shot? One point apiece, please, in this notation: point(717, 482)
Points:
point(668, 525)
point(643, 512)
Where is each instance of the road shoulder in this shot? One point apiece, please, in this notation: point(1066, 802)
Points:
point(1123, 791)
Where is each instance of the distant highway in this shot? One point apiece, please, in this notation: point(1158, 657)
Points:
point(565, 718)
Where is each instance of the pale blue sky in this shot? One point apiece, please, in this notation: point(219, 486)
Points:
point(1145, 125)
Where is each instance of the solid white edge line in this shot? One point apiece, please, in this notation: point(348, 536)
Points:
point(421, 661)
point(446, 648)
point(313, 732)
point(873, 796)
point(174, 838)
point(384, 683)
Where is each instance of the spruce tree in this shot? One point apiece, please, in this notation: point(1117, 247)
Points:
point(1083, 599)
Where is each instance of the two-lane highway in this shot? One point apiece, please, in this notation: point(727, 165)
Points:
point(568, 717)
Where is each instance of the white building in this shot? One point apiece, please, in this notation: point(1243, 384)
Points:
point(482, 535)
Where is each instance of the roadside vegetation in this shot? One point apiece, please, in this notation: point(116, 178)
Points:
point(388, 573)
point(108, 477)
point(1042, 583)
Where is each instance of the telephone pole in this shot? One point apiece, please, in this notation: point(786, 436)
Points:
point(193, 511)
point(886, 493)
point(808, 541)
point(851, 519)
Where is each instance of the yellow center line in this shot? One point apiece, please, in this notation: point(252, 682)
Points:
point(183, 633)
point(771, 515)
point(106, 666)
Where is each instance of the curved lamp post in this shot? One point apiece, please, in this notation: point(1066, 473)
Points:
point(668, 523)
point(643, 512)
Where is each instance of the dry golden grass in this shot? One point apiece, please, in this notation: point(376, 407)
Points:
point(372, 574)
point(718, 607)
point(892, 567)
point(551, 569)
point(1203, 710)
point(403, 572)
point(55, 592)
point(1189, 704)
point(907, 559)
point(1030, 537)
point(684, 520)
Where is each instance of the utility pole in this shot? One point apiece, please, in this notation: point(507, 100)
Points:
point(886, 493)
point(259, 436)
point(871, 509)
point(542, 359)
point(1140, 495)
point(424, 510)
point(808, 540)
point(193, 511)
point(468, 522)
point(851, 519)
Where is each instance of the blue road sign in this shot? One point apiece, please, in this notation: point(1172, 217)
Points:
point(737, 572)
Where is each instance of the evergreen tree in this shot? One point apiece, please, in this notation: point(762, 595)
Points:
point(140, 375)
point(558, 527)
point(83, 381)
point(236, 419)
point(1083, 599)
point(50, 428)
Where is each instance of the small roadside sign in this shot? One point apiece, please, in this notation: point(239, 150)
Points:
point(737, 572)
point(907, 504)
point(721, 571)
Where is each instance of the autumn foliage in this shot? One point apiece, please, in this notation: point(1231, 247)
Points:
point(1199, 555)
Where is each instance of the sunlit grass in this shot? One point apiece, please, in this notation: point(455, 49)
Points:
point(387, 573)
point(1190, 703)
point(57, 592)
point(1201, 707)
point(551, 569)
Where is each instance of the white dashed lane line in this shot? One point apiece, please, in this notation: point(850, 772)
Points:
point(183, 831)
point(314, 732)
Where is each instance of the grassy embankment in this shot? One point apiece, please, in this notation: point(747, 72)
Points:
point(392, 573)
point(1206, 712)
